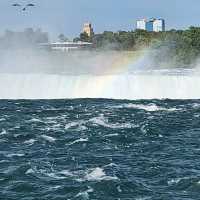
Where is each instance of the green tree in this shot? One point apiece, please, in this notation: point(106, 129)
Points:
point(84, 37)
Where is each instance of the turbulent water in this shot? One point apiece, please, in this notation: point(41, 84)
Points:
point(100, 149)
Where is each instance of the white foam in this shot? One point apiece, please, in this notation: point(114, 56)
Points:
point(3, 132)
point(112, 135)
point(34, 120)
point(85, 194)
point(55, 176)
point(48, 138)
point(174, 181)
point(30, 142)
point(15, 155)
point(195, 105)
point(78, 141)
point(143, 129)
point(66, 173)
point(149, 107)
point(79, 125)
point(71, 124)
point(103, 121)
point(56, 187)
point(30, 171)
point(119, 189)
point(98, 174)
point(111, 165)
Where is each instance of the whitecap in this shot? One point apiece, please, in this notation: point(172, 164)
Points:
point(15, 155)
point(34, 120)
point(78, 141)
point(78, 125)
point(85, 194)
point(195, 105)
point(55, 176)
point(70, 125)
point(143, 129)
point(66, 173)
point(149, 107)
point(174, 181)
point(3, 132)
point(196, 115)
point(119, 189)
point(111, 135)
point(56, 187)
point(48, 138)
point(30, 142)
point(29, 171)
point(98, 174)
point(103, 121)
point(111, 165)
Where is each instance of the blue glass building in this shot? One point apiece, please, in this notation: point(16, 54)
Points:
point(149, 25)
point(155, 25)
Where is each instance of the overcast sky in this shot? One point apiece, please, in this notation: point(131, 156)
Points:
point(67, 16)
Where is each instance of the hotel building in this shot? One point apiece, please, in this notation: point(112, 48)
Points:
point(156, 25)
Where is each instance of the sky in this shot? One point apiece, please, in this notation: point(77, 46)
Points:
point(68, 16)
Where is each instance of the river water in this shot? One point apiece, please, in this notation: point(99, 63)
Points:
point(99, 149)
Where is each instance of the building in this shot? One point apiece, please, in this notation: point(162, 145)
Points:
point(141, 24)
point(150, 25)
point(159, 25)
point(66, 46)
point(155, 25)
point(87, 28)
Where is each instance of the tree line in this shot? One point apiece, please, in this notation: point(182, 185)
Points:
point(179, 46)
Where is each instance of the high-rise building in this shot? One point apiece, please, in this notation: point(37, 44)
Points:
point(150, 25)
point(141, 24)
point(159, 25)
point(155, 25)
point(87, 28)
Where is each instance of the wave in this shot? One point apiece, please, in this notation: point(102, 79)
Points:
point(77, 125)
point(50, 173)
point(78, 141)
point(15, 155)
point(103, 121)
point(124, 86)
point(35, 120)
point(30, 142)
point(85, 194)
point(98, 174)
point(3, 132)
point(149, 107)
point(29, 171)
point(48, 138)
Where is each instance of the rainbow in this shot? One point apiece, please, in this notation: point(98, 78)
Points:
point(98, 85)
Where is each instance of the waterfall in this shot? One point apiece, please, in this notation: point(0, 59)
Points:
point(124, 86)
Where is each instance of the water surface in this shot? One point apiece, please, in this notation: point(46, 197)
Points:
point(100, 149)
